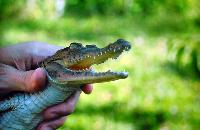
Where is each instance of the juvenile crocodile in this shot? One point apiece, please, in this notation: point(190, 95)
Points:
point(66, 73)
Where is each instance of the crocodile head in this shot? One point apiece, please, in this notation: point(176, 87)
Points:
point(68, 65)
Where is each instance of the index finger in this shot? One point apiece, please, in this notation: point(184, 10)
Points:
point(27, 55)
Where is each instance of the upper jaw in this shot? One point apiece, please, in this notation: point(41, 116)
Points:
point(98, 56)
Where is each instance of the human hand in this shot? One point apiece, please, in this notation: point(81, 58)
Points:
point(17, 64)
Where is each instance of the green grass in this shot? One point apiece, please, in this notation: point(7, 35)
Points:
point(154, 96)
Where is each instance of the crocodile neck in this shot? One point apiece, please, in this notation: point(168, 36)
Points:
point(53, 94)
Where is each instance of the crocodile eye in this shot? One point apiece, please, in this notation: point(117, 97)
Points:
point(75, 45)
point(91, 46)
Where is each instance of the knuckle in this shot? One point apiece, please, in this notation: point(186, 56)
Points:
point(42, 126)
point(71, 110)
point(70, 107)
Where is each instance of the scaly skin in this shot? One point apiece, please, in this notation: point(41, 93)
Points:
point(65, 71)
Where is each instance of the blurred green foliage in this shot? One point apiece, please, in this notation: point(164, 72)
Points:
point(185, 52)
point(162, 90)
point(124, 7)
point(10, 8)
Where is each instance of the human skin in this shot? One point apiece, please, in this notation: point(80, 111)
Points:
point(19, 72)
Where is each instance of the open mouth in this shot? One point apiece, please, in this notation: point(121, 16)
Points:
point(81, 73)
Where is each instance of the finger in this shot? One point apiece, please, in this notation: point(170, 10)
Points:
point(15, 80)
point(62, 109)
point(52, 125)
point(87, 89)
point(36, 81)
point(32, 54)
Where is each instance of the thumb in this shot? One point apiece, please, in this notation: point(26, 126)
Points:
point(31, 81)
point(12, 79)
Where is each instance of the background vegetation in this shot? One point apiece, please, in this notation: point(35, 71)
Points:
point(163, 88)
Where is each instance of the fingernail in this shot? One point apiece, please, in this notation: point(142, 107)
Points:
point(87, 89)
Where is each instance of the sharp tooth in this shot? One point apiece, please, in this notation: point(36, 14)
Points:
point(100, 53)
point(114, 50)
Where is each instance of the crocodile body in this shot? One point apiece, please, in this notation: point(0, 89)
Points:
point(66, 73)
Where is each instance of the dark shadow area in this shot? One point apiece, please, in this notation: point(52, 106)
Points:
point(142, 119)
point(185, 72)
